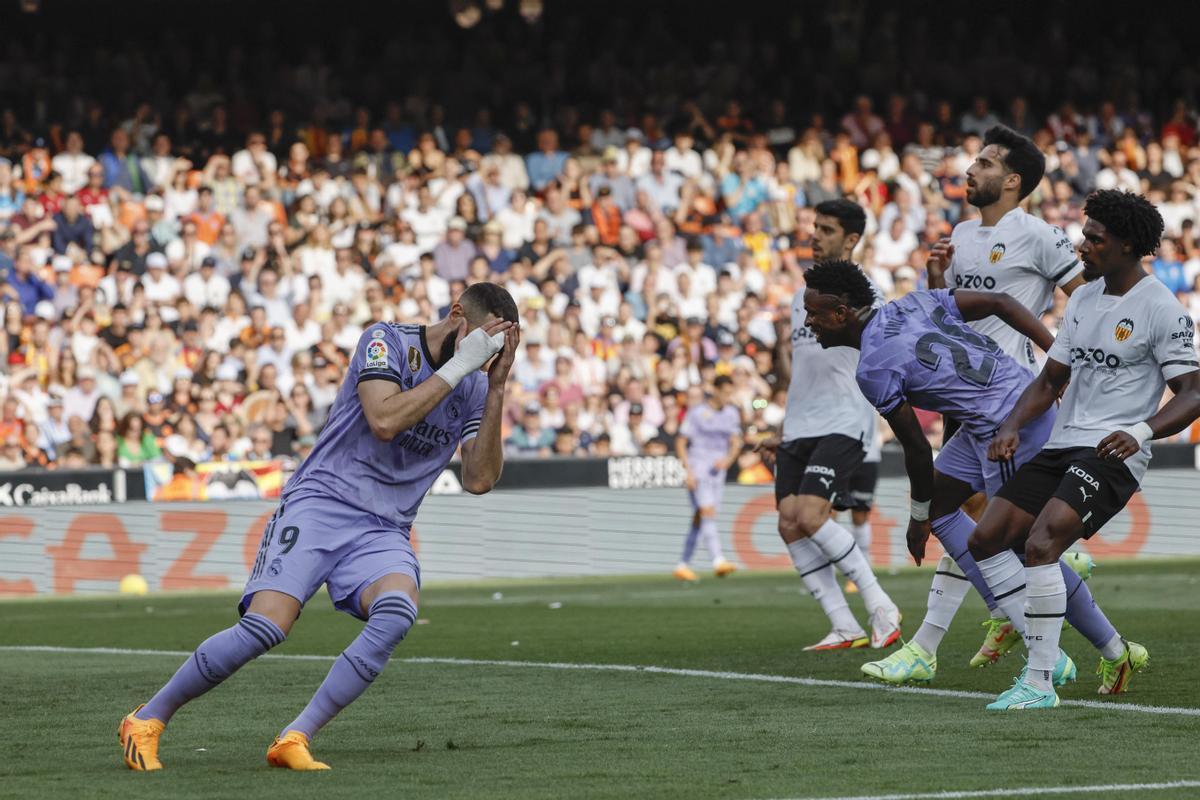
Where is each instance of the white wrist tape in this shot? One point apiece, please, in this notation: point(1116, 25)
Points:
point(1141, 432)
point(473, 352)
point(919, 510)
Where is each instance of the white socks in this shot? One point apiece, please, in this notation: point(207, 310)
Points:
point(1114, 649)
point(1005, 576)
point(1045, 607)
point(838, 545)
point(818, 576)
point(862, 537)
point(949, 589)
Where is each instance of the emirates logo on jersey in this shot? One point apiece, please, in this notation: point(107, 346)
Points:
point(996, 254)
point(1124, 329)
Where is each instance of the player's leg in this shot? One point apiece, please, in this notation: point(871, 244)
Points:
point(683, 570)
point(287, 571)
point(389, 605)
point(712, 489)
point(797, 516)
point(1054, 530)
point(378, 580)
point(861, 497)
point(916, 661)
point(831, 462)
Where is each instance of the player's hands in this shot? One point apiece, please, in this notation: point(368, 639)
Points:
point(1118, 446)
point(940, 257)
point(918, 535)
point(690, 480)
point(482, 343)
point(1004, 446)
point(767, 447)
point(498, 371)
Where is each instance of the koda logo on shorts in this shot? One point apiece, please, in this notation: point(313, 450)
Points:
point(1083, 476)
point(996, 254)
point(1124, 329)
point(820, 470)
point(1094, 355)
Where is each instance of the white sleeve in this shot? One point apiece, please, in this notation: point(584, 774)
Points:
point(1057, 260)
point(1174, 341)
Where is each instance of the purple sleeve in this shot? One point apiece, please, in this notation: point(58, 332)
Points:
point(685, 428)
point(945, 299)
point(377, 355)
point(883, 388)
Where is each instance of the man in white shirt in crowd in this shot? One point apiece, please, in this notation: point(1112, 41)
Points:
point(161, 287)
point(73, 164)
point(205, 287)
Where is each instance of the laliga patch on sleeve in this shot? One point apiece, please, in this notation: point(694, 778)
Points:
point(377, 355)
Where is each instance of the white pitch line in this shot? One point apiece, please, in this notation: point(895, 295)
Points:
point(647, 670)
point(1024, 791)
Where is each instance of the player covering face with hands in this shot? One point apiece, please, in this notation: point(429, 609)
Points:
point(412, 396)
point(1124, 337)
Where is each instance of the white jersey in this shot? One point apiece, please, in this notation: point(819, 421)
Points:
point(1122, 351)
point(823, 396)
point(1021, 256)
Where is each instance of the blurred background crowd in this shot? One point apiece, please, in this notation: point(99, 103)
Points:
point(194, 231)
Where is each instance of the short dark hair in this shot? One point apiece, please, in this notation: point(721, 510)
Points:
point(481, 299)
point(841, 279)
point(722, 380)
point(848, 213)
point(1127, 216)
point(1023, 156)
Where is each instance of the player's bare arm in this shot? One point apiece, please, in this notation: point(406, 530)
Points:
point(1070, 286)
point(483, 456)
point(767, 447)
point(1179, 412)
point(681, 447)
point(918, 463)
point(979, 305)
point(938, 262)
point(391, 410)
point(1033, 402)
point(735, 447)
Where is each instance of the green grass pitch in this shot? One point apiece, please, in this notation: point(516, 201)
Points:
point(439, 730)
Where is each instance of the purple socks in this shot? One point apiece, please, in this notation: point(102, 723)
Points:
point(689, 544)
point(218, 657)
point(1083, 613)
point(953, 531)
point(388, 620)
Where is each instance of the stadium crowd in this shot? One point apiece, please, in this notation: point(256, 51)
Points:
point(190, 278)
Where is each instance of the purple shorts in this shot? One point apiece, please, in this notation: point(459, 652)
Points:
point(710, 486)
point(965, 456)
point(311, 540)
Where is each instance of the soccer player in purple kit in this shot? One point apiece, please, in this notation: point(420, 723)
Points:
point(919, 352)
point(709, 441)
point(411, 396)
point(1124, 338)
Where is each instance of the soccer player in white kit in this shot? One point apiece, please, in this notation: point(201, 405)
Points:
point(1123, 339)
point(1004, 250)
point(826, 429)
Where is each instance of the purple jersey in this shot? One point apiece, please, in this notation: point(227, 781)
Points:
point(388, 479)
point(919, 350)
point(708, 431)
